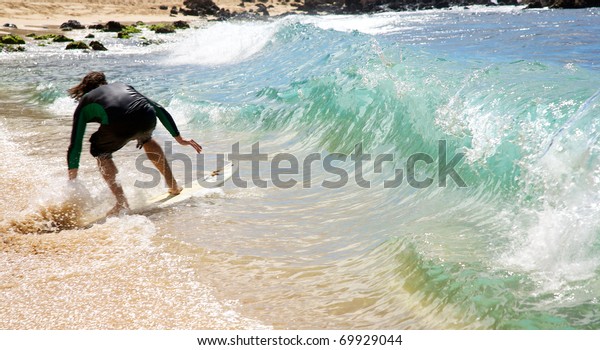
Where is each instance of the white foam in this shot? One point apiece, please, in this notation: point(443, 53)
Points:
point(368, 24)
point(463, 116)
point(62, 106)
point(557, 242)
point(557, 247)
point(391, 22)
point(223, 43)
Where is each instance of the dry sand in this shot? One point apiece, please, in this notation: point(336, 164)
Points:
point(49, 14)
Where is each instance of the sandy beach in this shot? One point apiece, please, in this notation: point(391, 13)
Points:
point(49, 14)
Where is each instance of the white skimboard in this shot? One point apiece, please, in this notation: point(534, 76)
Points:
point(215, 179)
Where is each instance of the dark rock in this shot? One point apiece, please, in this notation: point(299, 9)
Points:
point(368, 6)
point(73, 24)
point(11, 40)
point(96, 26)
point(225, 15)
point(10, 25)
point(441, 4)
point(11, 48)
point(535, 5)
point(396, 6)
point(574, 4)
point(77, 45)
point(353, 5)
point(61, 39)
point(262, 9)
point(200, 8)
point(163, 7)
point(67, 29)
point(113, 26)
point(163, 28)
point(174, 10)
point(97, 46)
point(246, 15)
point(145, 42)
point(329, 6)
point(127, 31)
point(181, 25)
point(45, 37)
point(90, 36)
point(285, 14)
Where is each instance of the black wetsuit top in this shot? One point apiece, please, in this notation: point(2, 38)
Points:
point(116, 105)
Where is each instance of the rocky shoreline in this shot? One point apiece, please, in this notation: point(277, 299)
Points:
point(209, 8)
point(14, 42)
point(369, 6)
point(254, 9)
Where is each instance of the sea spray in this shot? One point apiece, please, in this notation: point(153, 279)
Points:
point(57, 210)
point(560, 244)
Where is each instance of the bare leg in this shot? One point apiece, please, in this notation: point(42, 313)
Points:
point(157, 156)
point(109, 173)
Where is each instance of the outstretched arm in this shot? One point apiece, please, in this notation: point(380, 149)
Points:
point(189, 142)
point(167, 121)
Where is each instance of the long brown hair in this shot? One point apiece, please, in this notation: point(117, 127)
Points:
point(91, 81)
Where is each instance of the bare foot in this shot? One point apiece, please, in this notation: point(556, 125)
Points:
point(175, 191)
point(118, 210)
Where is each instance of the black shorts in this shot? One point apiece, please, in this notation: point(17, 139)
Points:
point(112, 137)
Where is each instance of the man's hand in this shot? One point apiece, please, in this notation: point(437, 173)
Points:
point(72, 174)
point(189, 142)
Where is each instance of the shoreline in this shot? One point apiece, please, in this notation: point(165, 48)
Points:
point(48, 15)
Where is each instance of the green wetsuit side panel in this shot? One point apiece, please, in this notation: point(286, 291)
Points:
point(166, 119)
point(89, 113)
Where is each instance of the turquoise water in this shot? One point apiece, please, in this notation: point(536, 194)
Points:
point(517, 92)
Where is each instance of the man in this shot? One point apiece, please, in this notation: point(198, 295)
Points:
point(124, 115)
